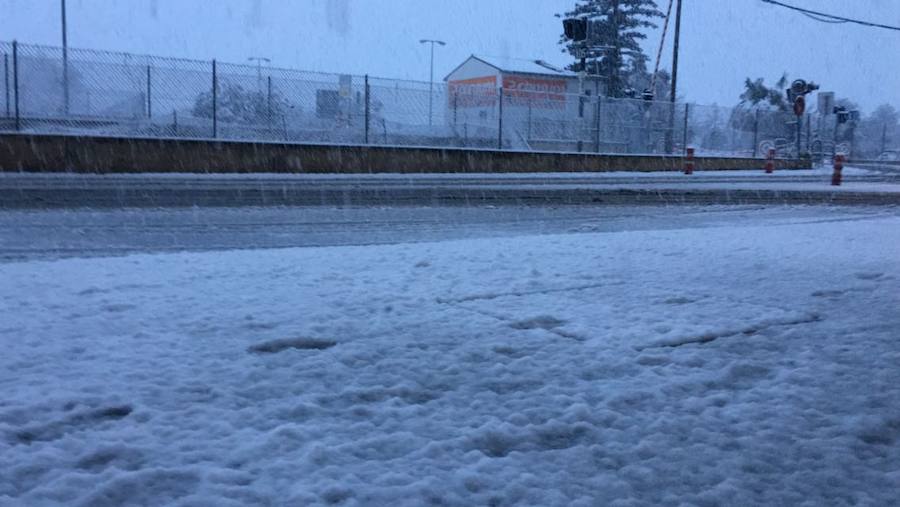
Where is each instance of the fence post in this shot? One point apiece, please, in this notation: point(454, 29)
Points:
point(367, 109)
point(599, 119)
point(16, 83)
point(65, 69)
point(455, 108)
point(269, 101)
point(755, 132)
point(687, 110)
point(529, 122)
point(455, 116)
point(215, 98)
point(500, 122)
point(6, 82)
point(149, 100)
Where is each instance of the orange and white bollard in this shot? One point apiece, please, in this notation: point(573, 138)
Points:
point(689, 161)
point(838, 167)
point(770, 161)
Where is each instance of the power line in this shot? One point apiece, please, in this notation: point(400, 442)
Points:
point(824, 20)
point(830, 18)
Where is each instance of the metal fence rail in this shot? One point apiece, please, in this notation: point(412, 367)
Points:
point(121, 94)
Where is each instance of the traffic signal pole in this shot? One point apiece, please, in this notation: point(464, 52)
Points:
point(577, 30)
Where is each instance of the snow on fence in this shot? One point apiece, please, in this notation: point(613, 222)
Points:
point(122, 94)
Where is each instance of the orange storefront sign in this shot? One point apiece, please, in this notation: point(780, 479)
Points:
point(540, 93)
point(475, 92)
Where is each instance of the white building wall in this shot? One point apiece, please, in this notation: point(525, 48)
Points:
point(536, 107)
point(472, 99)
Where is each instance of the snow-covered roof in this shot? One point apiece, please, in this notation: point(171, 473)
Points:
point(521, 66)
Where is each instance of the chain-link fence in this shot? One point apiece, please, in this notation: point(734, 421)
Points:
point(47, 90)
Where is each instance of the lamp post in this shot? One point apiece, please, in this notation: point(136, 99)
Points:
point(431, 75)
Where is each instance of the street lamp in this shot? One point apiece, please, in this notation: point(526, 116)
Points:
point(431, 74)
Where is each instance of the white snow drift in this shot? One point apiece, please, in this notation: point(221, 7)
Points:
point(738, 365)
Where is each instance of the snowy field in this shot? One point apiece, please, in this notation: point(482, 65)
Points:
point(731, 365)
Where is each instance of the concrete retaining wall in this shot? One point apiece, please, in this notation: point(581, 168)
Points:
point(56, 153)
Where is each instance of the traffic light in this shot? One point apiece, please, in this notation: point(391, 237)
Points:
point(575, 29)
point(799, 88)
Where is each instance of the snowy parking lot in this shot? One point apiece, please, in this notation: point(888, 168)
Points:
point(751, 359)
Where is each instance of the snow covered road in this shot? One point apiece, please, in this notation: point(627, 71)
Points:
point(63, 190)
point(52, 233)
point(744, 364)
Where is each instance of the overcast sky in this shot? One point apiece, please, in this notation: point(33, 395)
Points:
point(723, 41)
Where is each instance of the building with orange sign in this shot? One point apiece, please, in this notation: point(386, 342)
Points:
point(540, 103)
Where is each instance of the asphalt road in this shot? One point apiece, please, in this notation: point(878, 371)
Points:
point(57, 233)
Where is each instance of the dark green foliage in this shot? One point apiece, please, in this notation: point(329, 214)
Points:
point(770, 100)
point(757, 95)
point(615, 31)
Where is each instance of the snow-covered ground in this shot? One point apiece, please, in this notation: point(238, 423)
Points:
point(741, 365)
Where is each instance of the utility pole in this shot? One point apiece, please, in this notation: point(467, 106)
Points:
point(675, 51)
point(65, 57)
point(674, 89)
point(431, 76)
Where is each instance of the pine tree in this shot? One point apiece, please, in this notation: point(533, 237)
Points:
point(615, 31)
point(757, 95)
